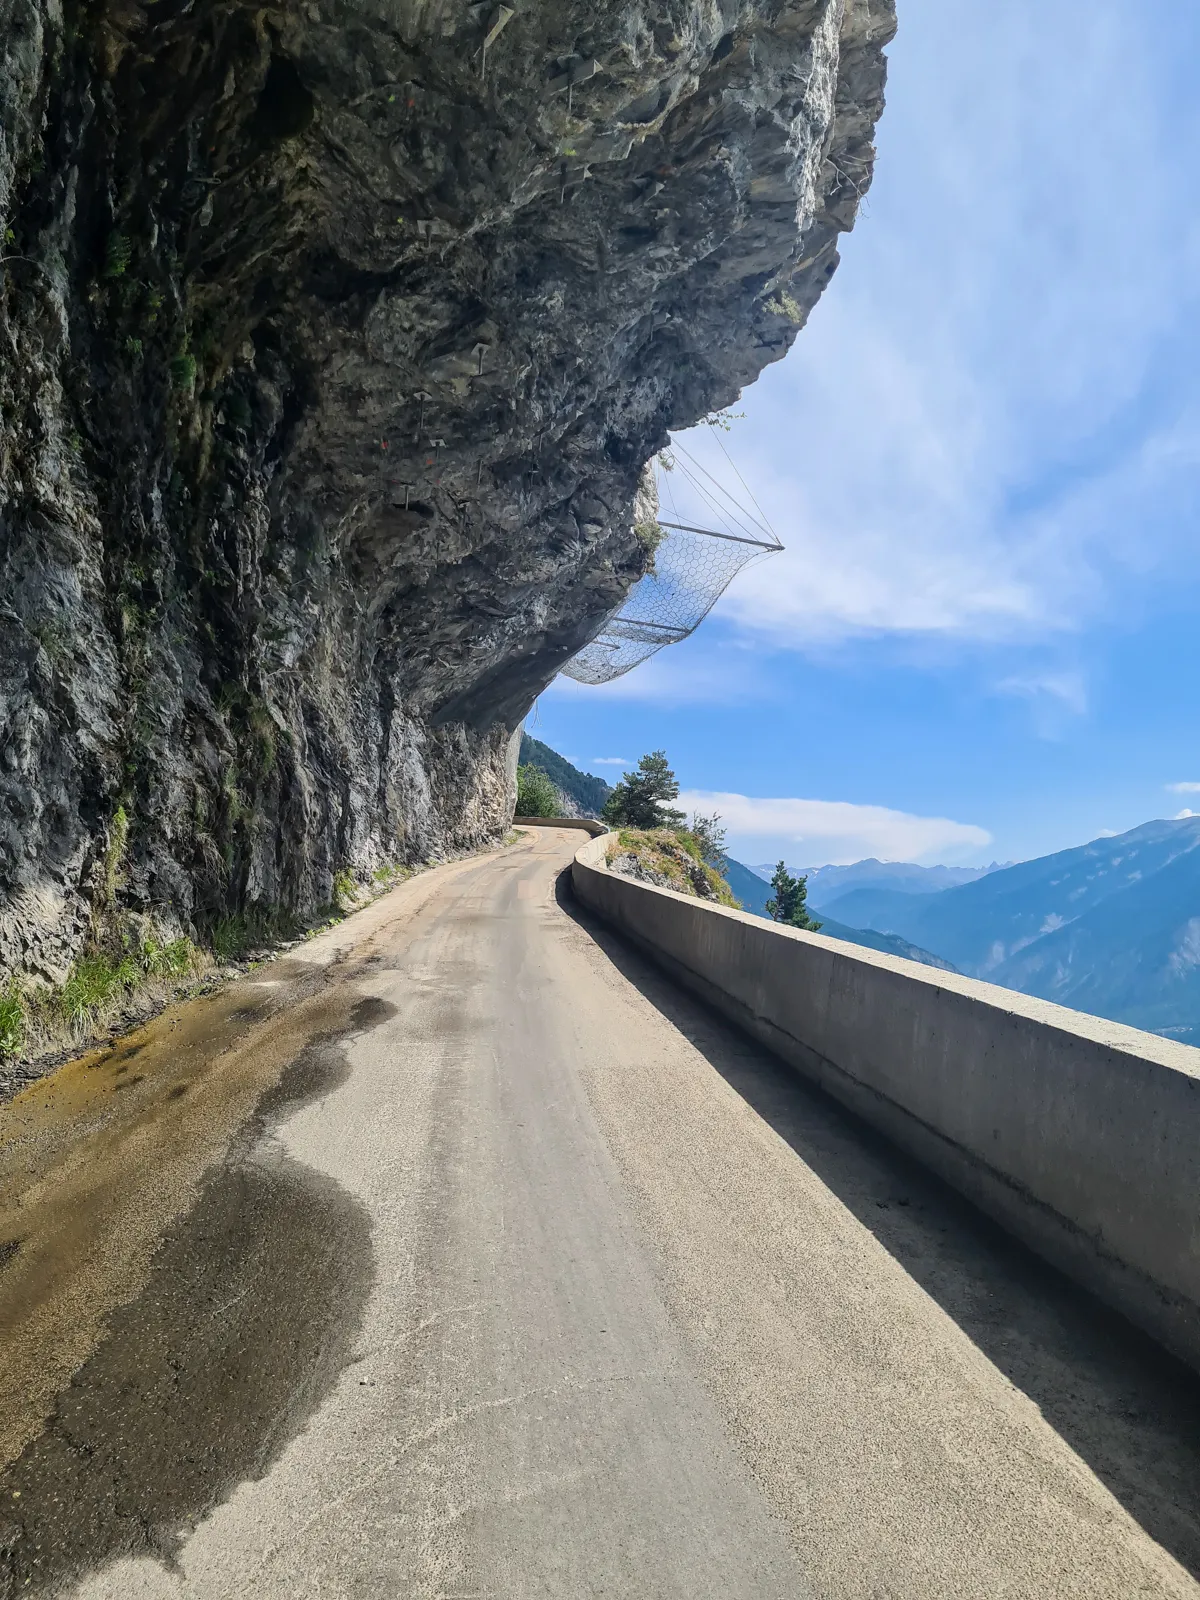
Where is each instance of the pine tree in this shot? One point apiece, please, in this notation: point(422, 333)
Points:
point(790, 903)
point(638, 801)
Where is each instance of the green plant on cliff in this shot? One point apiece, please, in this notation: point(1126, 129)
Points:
point(183, 371)
point(118, 252)
point(114, 854)
point(649, 535)
point(783, 305)
point(536, 795)
point(345, 890)
point(12, 1021)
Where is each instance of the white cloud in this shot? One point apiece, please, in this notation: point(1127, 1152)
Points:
point(611, 761)
point(833, 831)
point(961, 443)
point(1055, 699)
point(1182, 788)
point(1180, 816)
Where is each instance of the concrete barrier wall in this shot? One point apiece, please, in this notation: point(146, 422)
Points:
point(1080, 1136)
point(586, 824)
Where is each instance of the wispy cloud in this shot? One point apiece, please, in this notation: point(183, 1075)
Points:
point(834, 831)
point(1182, 788)
point(1066, 689)
point(611, 761)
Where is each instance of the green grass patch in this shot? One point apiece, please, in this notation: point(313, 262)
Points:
point(386, 877)
point(114, 854)
point(250, 929)
point(12, 1022)
point(118, 253)
point(183, 371)
point(92, 983)
point(674, 857)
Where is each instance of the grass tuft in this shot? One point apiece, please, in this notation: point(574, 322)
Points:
point(183, 371)
point(12, 1021)
point(118, 253)
point(114, 854)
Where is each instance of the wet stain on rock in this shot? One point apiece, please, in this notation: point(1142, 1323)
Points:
point(251, 1311)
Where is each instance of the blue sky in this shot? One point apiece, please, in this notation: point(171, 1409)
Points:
point(983, 456)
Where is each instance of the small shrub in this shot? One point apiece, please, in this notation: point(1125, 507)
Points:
point(118, 252)
point(783, 305)
point(649, 535)
point(709, 837)
point(536, 795)
point(345, 890)
point(133, 347)
point(262, 731)
point(114, 854)
point(12, 1021)
point(183, 371)
point(230, 937)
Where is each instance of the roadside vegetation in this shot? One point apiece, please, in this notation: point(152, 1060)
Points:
point(656, 843)
point(537, 796)
point(100, 987)
point(129, 969)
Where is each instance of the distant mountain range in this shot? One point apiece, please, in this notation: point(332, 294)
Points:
point(872, 874)
point(750, 889)
point(1111, 927)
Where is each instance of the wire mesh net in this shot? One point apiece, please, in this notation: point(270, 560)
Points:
point(692, 569)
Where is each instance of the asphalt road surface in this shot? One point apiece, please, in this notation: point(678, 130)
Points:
point(509, 1271)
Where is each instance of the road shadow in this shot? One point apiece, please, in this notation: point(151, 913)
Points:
point(1126, 1407)
point(250, 1314)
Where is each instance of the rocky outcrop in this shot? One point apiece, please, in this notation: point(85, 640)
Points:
point(335, 340)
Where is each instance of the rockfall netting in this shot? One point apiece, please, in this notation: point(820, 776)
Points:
point(692, 569)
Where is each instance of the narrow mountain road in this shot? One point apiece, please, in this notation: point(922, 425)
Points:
point(531, 1278)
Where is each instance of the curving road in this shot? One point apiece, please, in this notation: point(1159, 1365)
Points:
point(532, 1278)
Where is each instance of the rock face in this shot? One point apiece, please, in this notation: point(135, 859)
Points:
point(335, 341)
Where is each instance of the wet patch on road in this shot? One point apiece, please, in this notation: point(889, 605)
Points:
point(251, 1312)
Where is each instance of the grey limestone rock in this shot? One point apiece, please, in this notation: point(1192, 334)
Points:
point(334, 340)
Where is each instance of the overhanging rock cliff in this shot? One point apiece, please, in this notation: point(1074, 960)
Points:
point(335, 341)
